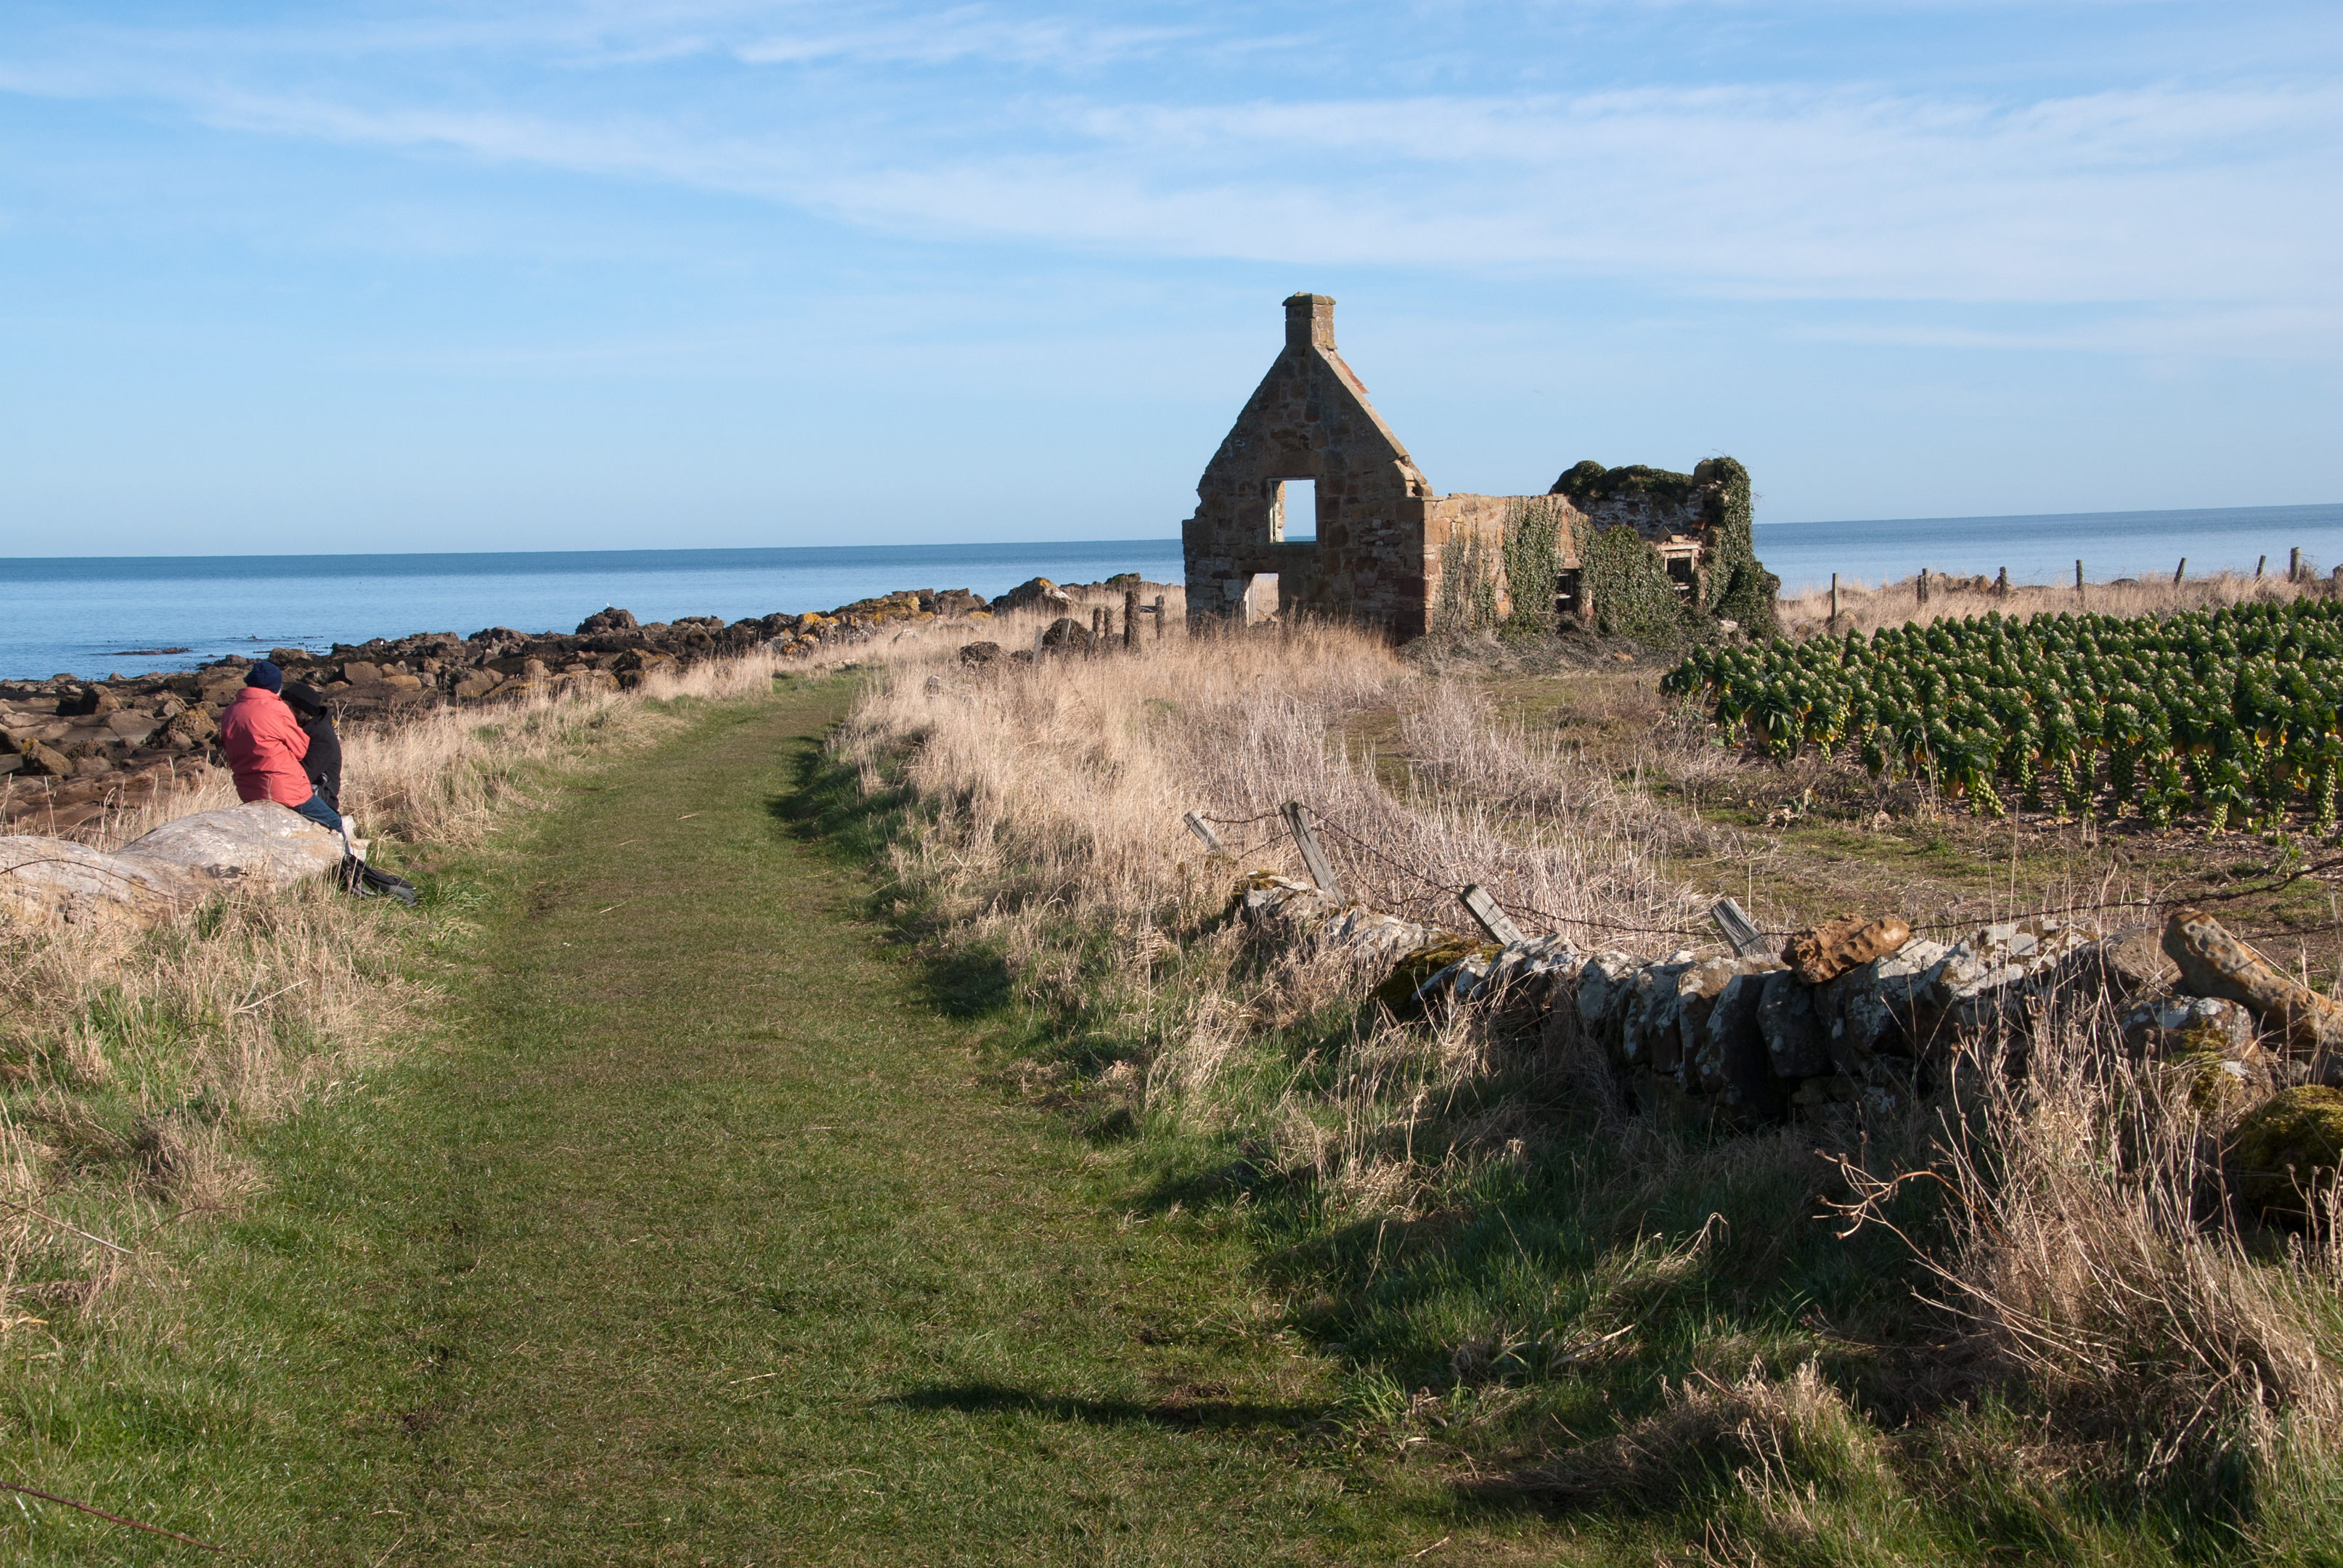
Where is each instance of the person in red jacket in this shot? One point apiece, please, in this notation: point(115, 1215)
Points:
point(264, 743)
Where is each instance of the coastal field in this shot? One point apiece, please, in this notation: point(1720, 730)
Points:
point(843, 1112)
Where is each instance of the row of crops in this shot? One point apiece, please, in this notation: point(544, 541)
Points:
point(2231, 713)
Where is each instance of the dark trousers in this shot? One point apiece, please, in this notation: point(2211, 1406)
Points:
point(317, 812)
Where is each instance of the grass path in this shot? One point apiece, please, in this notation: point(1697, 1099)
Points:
point(697, 1240)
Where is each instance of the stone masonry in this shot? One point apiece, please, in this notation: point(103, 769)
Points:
point(1382, 530)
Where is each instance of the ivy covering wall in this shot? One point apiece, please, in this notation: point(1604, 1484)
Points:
point(1534, 525)
point(1627, 579)
point(1468, 585)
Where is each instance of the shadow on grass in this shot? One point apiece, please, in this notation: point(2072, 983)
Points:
point(1177, 1412)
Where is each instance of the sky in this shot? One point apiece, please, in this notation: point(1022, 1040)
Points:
point(394, 276)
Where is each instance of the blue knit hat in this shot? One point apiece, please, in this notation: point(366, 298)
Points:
point(266, 675)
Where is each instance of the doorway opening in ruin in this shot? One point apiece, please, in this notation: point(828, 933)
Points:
point(1297, 502)
point(1261, 596)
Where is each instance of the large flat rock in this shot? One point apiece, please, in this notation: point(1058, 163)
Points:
point(167, 872)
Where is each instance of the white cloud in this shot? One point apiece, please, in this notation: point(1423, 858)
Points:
point(2206, 213)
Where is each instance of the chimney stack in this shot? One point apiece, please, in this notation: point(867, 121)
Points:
point(1309, 321)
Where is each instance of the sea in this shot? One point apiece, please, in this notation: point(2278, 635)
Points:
point(97, 615)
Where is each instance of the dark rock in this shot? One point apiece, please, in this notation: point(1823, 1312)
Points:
point(976, 654)
point(45, 762)
point(609, 619)
point(1795, 1038)
point(2287, 1149)
point(1066, 635)
point(83, 700)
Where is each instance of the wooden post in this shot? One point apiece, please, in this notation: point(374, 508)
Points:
point(1130, 620)
point(1159, 618)
point(2294, 565)
point(2258, 566)
point(1833, 619)
point(1491, 918)
point(1203, 829)
point(1098, 625)
point(2180, 571)
point(2001, 583)
point(1321, 875)
point(1741, 932)
point(2079, 580)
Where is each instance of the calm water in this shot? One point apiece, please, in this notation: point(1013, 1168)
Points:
point(84, 615)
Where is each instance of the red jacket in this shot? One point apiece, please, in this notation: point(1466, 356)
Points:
point(264, 745)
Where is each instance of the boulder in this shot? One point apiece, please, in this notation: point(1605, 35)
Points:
point(976, 654)
point(607, 620)
point(474, 684)
point(259, 843)
point(195, 726)
point(1034, 593)
point(362, 672)
point(43, 761)
point(1066, 635)
point(2287, 1150)
point(56, 881)
point(2212, 962)
point(1825, 952)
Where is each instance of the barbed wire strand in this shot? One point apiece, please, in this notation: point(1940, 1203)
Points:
point(1516, 907)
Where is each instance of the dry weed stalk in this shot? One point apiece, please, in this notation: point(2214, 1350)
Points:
point(2096, 1255)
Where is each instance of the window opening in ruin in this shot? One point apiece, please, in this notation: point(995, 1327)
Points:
point(1568, 606)
point(1299, 499)
point(1680, 570)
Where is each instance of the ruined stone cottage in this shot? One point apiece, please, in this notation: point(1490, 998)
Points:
point(1634, 550)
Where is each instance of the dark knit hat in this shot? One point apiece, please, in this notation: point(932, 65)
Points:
point(266, 675)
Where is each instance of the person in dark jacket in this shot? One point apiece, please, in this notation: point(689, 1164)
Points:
point(323, 761)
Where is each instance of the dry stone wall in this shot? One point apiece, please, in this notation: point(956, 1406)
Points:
point(1742, 1044)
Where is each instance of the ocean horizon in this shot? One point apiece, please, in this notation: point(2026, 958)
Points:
point(89, 616)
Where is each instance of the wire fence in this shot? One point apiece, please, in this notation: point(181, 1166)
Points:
point(1516, 908)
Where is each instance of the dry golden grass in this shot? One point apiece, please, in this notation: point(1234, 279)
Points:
point(1865, 608)
point(2088, 1266)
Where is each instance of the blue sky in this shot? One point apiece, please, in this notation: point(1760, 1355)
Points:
point(595, 276)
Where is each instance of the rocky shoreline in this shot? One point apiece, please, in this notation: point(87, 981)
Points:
point(72, 750)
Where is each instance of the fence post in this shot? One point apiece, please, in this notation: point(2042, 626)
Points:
point(2258, 565)
point(1924, 585)
point(1489, 916)
point(1741, 932)
point(2001, 583)
point(1130, 620)
point(2078, 582)
point(1314, 859)
point(2180, 571)
point(2294, 565)
point(1833, 619)
point(1203, 829)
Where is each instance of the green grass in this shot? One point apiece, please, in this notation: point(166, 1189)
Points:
point(693, 1236)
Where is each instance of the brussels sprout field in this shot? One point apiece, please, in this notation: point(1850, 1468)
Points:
point(2230, 713)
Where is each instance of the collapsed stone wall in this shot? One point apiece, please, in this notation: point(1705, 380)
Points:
point(1738, 1044)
